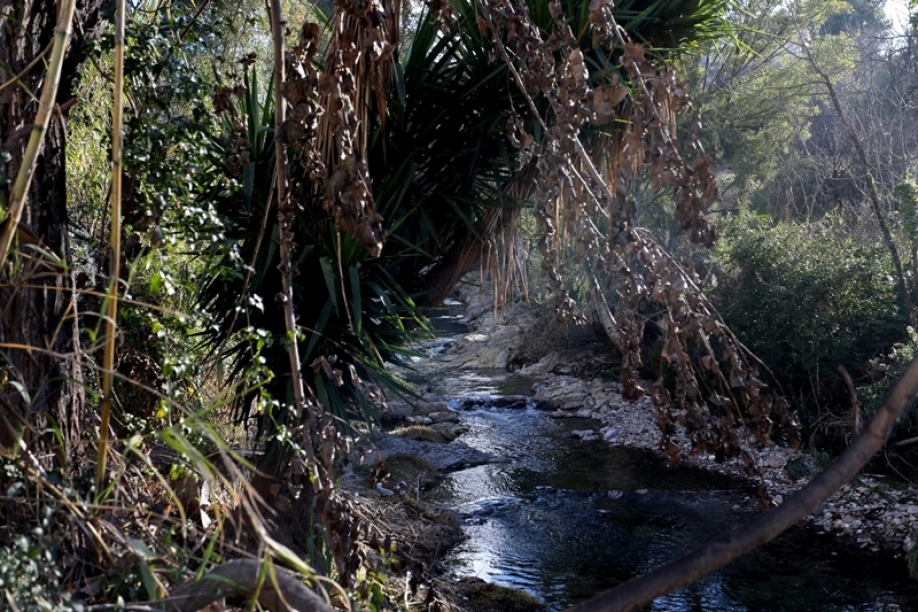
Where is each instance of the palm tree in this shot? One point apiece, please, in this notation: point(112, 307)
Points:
point(422, 148)
point(430, 134)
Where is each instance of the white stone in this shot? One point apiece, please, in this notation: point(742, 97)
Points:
point(386, 492)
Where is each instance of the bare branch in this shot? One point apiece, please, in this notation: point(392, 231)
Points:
point(765, 527)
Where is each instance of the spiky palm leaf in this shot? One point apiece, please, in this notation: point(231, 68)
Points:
point(349, 306)
point(444, 173)
point(447, 125)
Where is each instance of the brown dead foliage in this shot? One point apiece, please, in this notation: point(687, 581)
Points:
point(715, 382)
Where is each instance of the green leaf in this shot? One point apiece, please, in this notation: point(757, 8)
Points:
point(328, 274)
point(317, 331)
point(355, 299)
point(156, 282)
point(141, 549)
point(248, 183)
point(149, 581)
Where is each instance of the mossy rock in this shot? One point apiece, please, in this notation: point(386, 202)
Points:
point(481, 596)
point(421, 433)
point(450, 431)
point(411, 470)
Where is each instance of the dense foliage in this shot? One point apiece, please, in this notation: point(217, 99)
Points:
point(806, 298)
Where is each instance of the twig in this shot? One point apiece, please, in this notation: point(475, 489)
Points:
point(18, 77)
point(852, 396)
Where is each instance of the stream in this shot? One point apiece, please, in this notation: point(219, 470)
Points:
point(565, 520)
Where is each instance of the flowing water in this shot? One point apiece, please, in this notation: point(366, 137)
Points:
point(565, 520)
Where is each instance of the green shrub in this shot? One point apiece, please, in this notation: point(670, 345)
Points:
point(884, 372)
point(30, 578)
point(807, 298)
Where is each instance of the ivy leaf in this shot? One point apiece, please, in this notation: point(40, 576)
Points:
point(156, 282)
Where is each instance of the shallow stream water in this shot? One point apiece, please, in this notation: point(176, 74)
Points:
point(566, 520)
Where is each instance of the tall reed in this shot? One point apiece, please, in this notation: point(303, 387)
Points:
point(111, 314)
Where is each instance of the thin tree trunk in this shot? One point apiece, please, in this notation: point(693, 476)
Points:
point(873, 193)
point(601, 306)
point(274, 463)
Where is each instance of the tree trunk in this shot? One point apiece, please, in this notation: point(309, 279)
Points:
point(872, 190)
point(601, 307)
point(41, 382)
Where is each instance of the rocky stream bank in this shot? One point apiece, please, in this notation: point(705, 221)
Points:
point(871, 512)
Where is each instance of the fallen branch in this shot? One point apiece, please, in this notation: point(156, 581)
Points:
point(765, 527)
point(282, 592)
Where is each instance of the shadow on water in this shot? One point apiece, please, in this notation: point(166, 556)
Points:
point(566, 520)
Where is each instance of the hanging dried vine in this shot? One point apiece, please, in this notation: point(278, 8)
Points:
point(323, 455)
point(585, 203)
point(354, 82)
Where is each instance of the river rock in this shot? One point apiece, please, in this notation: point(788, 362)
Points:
point(384, 491)
point(511, 401)
point(446, 416)
point(427, 407)
point(478, 351)
point(395, 412)
point(445, 457)
point(540, 394)
point(543, 366)
point(497, 338)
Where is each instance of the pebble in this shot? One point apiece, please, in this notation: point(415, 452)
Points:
point(384, 491)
